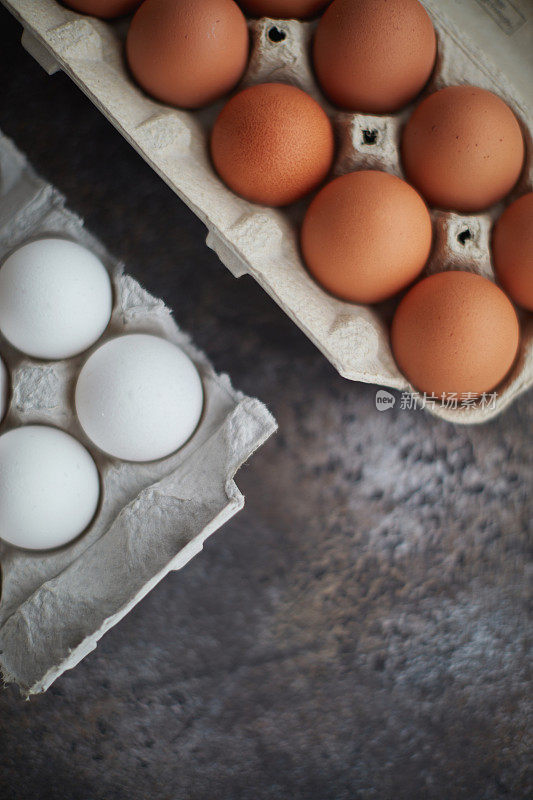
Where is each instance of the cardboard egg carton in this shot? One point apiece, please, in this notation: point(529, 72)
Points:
point(153, 517)
point(263, 242)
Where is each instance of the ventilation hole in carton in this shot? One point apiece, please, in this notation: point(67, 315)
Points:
point(370, 137)
point(276, 35)
point(464, 236)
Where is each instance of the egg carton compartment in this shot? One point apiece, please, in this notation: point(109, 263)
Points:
point(263, 242)
point(152, 517)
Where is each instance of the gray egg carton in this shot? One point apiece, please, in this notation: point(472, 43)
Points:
point(152, 517)
point(263, 242)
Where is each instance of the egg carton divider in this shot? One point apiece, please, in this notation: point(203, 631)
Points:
point(152, 517)
point(263, 242)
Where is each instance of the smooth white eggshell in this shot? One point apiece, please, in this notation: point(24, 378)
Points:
point(139, 397)
point(4, 384)
point(49, 487)
point(55, 298)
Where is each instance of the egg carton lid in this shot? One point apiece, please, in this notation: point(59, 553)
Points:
point(153, 517)
point(263, 242)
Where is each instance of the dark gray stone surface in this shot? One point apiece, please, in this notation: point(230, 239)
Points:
point(360, 630)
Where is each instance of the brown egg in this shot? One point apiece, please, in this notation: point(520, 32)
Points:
point(366, 236)
point(106, 9)
point(188, 52)
point(463, 148)
point(512, 249)
point(374, 55)
point(455, 333)
point(272, 144)
point(283, 9)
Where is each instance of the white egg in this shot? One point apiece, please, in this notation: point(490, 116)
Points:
point(55, 298)
point(4, 388)
point(139, 397)
point(49, 487)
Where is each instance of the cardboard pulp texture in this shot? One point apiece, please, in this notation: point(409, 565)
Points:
point(153, 517)
point(263, 242)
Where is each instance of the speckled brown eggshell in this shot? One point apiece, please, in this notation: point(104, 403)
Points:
point(374, 55)
point(272, 144)
point(463, 148)
point(455, 333)
point(366, 236)
point(188, 53)
point(512, 249)
point(283, 9)
point(105, 9)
